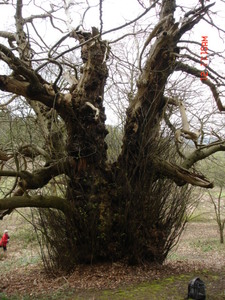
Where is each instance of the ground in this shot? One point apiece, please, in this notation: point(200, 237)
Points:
point(198, 254)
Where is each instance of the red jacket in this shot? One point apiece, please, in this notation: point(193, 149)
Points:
point(4, 240)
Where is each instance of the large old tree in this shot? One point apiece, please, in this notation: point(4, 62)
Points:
point(91, 208)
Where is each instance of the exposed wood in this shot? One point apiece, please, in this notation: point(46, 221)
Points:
point(181, 175)
point(202, 153)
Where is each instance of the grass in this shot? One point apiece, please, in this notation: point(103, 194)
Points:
point(170, 288)
point(199, 216)
point(25, 259)
point(23, 246)
point(26, 235)
point(208, 245)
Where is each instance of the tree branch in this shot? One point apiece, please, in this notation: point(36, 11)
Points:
point(34, 201)
point(41, 177)
point(32, 91)
point(202, 153)
point(7, 173)
point(31, 150)
point(40, 16)
point(132, 21)
point(190, 22)
point(180, 175)
point(4, 156)
point(24, 48)
point(16, 64)
point(10, 36)
point(197, 73)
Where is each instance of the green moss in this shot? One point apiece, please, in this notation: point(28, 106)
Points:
point(208, 245)
point(168, 288)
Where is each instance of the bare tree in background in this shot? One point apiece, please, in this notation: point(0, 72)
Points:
point(218, 205)
point(135, 207)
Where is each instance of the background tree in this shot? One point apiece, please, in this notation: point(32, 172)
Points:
point(218, 205)
point(135, 206)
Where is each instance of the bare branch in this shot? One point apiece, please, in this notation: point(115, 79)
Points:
point(132, 21)
point(33, 90)
point(8, 102)
point(10, 36)
point(191, 58)
point(124, 36)
point(33, 151)
point(41, 16)
point(34, 201)
point(40, 37)
point(189, 23)
point(4, 156)
point(21, 38)
point(52, 61)
point(153, 34)
point(202, 153)
point(180, 174)
point(16, 64)
point(100, 15)
point(197, 73)
point(7, 211)
point(41, 177)
point(106, 32)
point(57, 44)
point(220, 29)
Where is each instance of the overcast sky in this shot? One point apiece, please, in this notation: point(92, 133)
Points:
point(115, 13)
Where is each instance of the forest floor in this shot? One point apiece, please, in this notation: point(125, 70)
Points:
point(198, 254)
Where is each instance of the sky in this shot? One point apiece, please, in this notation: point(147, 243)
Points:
point(115, 13)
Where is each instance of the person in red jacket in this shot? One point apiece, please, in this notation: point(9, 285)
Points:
point(4, 240)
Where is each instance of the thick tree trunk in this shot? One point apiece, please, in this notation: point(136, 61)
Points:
point(120, 211)
point(88, 187)
point(111, 205)
point(145, 112)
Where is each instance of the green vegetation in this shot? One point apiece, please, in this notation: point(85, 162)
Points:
point(114, 142)
point(18, 130)
point(22, 247)
point(208, 245)
point(213, 167)
point(25, 235)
